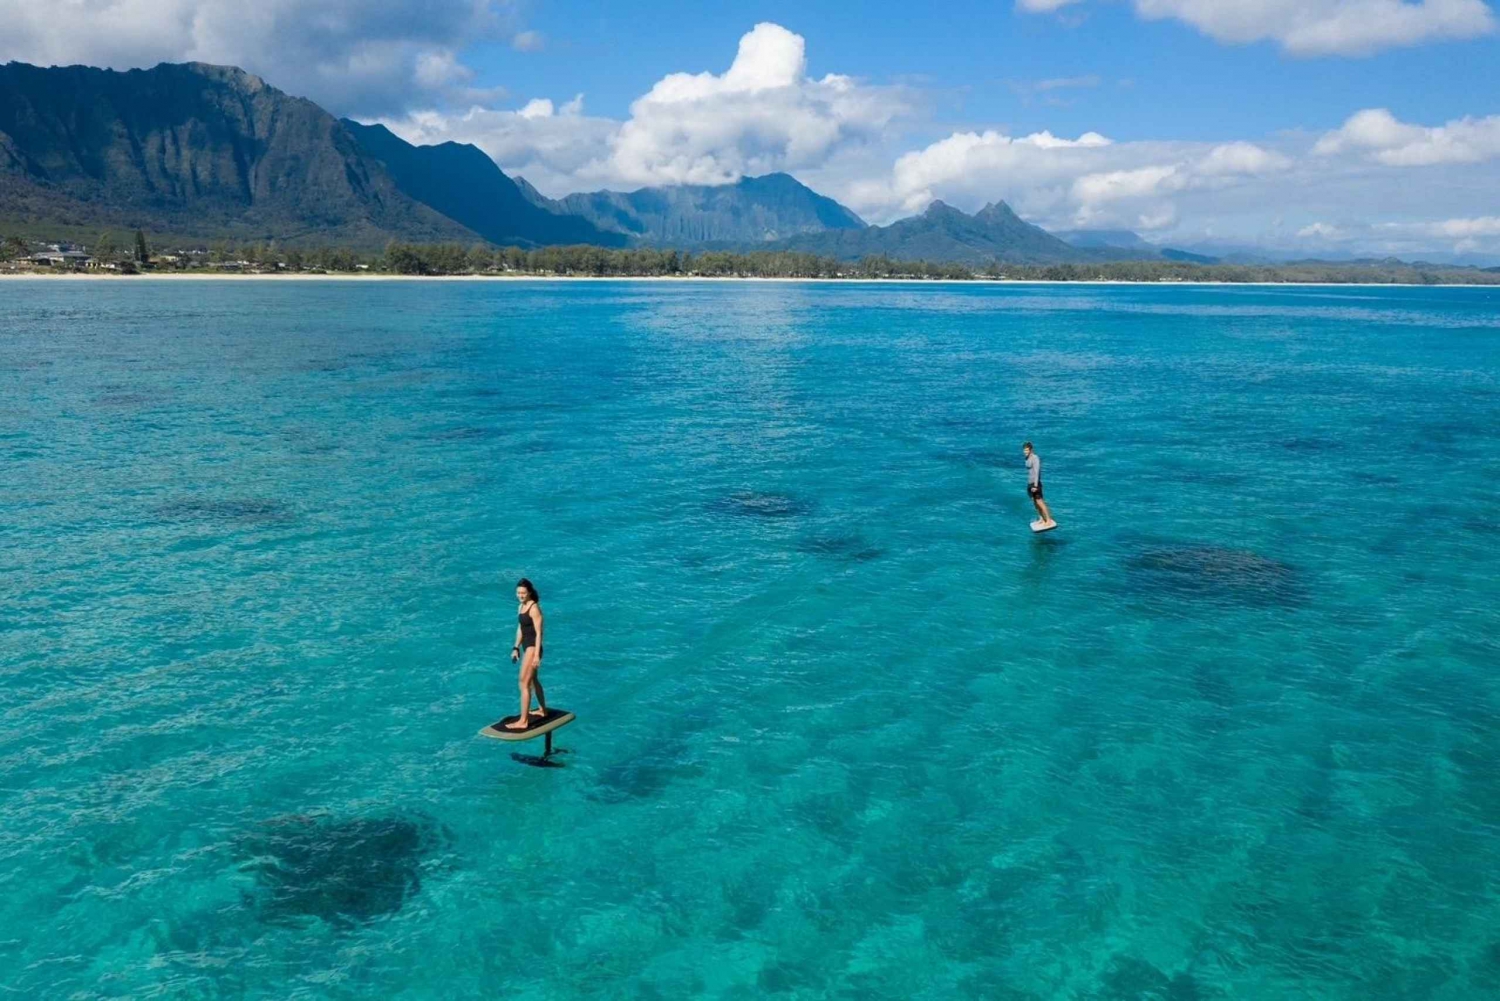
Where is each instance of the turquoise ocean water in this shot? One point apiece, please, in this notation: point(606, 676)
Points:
point(846, 729)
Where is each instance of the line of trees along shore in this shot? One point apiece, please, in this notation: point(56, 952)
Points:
point(447, 259)
point(484, 259)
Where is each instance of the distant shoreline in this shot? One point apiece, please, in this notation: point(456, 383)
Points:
point(200, 277)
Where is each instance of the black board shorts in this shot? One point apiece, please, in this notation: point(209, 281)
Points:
point(1035, 490)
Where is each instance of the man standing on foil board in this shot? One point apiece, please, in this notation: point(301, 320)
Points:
point(1034, 489)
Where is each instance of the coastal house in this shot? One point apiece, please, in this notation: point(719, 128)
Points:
point(75, 260)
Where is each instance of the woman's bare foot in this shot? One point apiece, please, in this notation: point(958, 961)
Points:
point(539, 712)
point(520, 724)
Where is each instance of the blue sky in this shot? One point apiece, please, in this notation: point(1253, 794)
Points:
point(1311, 126)
point(974, 55)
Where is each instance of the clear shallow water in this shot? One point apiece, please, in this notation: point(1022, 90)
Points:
point(846, 729)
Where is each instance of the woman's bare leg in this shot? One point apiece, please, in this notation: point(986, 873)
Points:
point(534, 675)
point(528, 672)
point(541, 697)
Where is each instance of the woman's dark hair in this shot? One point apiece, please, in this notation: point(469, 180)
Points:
point(1028, 445)
point(530, 590)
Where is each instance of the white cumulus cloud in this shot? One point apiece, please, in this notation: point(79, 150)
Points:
point(351, 56)
point(1461, 235)
point(537, 107)
point(555, 148)
point(1459, 229)
point(1320, 231)
point(1237, 158)
point(762, 114)
point(1465, 228)
point(1319, 27)
point(1092, 190)
point(1378, 134)
point(1087, 181)
point(440, 68)
point(965, 163)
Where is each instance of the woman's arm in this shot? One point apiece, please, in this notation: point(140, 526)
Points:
point(536, 620)
point(515, 648)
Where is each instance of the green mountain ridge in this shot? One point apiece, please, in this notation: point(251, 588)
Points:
point(752, 211)
point(195, 150)
point(464, 184)
point(944, 233)
point(1118, 239)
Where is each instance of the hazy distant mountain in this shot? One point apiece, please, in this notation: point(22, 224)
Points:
point(196, 151)
point(943, 233)
point(1122, 244)
point(754, 210)
point(1187, 256)
point(1226, 252)
point(464, 184)
point(1233, 253)
point(1120, 239)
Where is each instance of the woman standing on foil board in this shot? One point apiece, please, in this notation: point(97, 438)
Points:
point(528, 652)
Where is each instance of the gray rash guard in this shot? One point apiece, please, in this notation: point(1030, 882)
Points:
point(1033, 469)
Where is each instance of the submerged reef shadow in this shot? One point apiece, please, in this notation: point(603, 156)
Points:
point(125, 399)
point(260, 510)
point(467, 432)
point(1374, 479)
point(1311, 445)
point(647, 772)
point(849, 547)
point(758, 504)
point(324, 366)
point(1131, 979)
point(1482, 524)
point(1213, 574)
point(339, 870)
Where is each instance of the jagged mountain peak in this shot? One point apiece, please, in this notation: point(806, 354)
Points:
point(242, 80)
point(998, 212)
point(162, 149)
point(945, 233)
